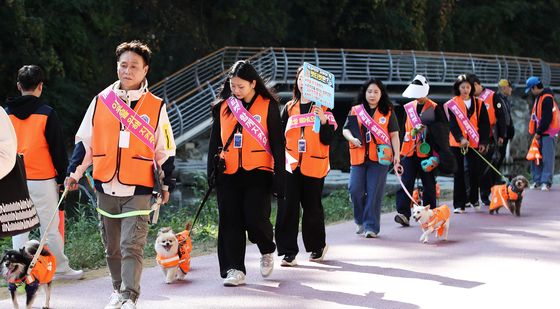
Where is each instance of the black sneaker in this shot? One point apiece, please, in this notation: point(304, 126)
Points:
point(289, 260)
point(319, 255)
point(402, 220)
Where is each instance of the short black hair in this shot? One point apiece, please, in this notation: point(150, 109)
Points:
point(137, 47)
point(30, 76)
point(473, 79)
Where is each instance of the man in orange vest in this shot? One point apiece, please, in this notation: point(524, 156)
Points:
point(497, 136)
point(125, 132)
point(41, 142)
point(544, 124)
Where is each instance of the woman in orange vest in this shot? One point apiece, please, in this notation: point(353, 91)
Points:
point(310, 165)
point(247, 136)
point(460, 141)
point(417, 151)
point(371, 153)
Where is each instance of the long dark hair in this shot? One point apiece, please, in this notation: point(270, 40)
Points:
point(244, 70)
point(384, 104)
point(462, 79)
point(296, 93)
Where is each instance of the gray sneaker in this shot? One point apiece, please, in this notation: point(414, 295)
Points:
point(115, 301)
point(70, 274)
point(359, 229)
point(267, 264)
point(128, 304)
point(402, 220)
point(234, 278)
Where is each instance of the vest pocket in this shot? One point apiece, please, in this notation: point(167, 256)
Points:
point(143, 159)
point(99, 155)
point(317, 157)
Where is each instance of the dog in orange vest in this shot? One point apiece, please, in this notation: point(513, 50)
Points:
point(431, 220)
point(174, 253)
point(508, 196)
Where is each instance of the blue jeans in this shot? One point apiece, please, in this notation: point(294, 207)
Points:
point(543, 172)
point(367, 187)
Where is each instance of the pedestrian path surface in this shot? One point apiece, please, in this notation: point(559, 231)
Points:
point(498, 261)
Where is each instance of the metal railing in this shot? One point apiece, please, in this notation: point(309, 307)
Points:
point(189, 92)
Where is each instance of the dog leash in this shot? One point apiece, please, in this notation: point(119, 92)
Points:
point(399, 170)
point(486, 161)
point(44, 238)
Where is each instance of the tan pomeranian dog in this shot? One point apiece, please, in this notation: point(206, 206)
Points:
point(173, 253)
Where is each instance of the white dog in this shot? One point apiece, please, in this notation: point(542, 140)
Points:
point(431, 220)
point(173, 253)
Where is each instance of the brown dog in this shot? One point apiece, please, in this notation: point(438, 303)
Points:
point(508, 196)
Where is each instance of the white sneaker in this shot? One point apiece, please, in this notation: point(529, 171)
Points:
point(128, 304)
point(359, 229)
point(370, 234)
point(534, 185)
point(545, 187)
point(115, 301)
point(267, 264)
point(477, 208)
point(458, 211)
point(70, 274)
point(234, 278)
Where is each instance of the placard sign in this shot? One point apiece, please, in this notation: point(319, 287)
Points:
point(318, 86)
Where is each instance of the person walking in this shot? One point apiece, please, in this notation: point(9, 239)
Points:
point(247, 138)
point(418, 158)
point(469, 128)
point(304, 182)
point(372, 132)
point(543, 125)
point(126, 135)
point(40, 140)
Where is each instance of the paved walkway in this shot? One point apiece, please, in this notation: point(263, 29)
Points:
point(489, 262)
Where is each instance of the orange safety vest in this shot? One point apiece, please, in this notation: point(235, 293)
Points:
point(32, 143)
point(489, 102)
point(251, 155)
point(43, 271)
point(358, 154)
point(314, 162)
point(409, 140)
point(473, 119)
point(133, 165)
point(536, 116)
point(183, 257)
point(500, 195)
point(440, 214)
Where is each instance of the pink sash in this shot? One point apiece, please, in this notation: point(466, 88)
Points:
point(308, 120)
point(128, 117)
point(371, 125)
point(249, 123)
point(464, 120)
point(412, 114)
point(485, 94)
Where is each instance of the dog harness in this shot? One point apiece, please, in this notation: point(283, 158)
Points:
point(501, 194)
point(183, 256)
point(43, 271)
point(441, 214)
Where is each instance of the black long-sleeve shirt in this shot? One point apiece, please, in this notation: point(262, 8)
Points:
point(546, 115)
point(326, 134)
point(275, 138)
point(503, 115)
point(24, 106)
point(483, 123)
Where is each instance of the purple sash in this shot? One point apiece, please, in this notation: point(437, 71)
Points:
point(128, 117)
point(308, 120)
point(485, 94)
point(463, 120)
point(371, 125)
point(410, 109)
point(249, 123)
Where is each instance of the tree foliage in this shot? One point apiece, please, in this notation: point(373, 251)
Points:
point(74, 41)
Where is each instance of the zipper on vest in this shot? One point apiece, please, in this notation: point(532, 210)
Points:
point(240, 151)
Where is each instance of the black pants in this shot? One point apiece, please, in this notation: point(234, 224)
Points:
point(460, 197)
point(487, 175)
point(305, 191)
point(412, 169)
point(244, 207)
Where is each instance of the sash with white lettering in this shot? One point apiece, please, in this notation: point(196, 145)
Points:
point(128, 117)
point(371, 125)
point(412, 114)
point(308, 120)
point(249, 123)
point(485, 94)
point(463, 120)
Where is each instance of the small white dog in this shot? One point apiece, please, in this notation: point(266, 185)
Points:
point(431, 220)
point(173, 253)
